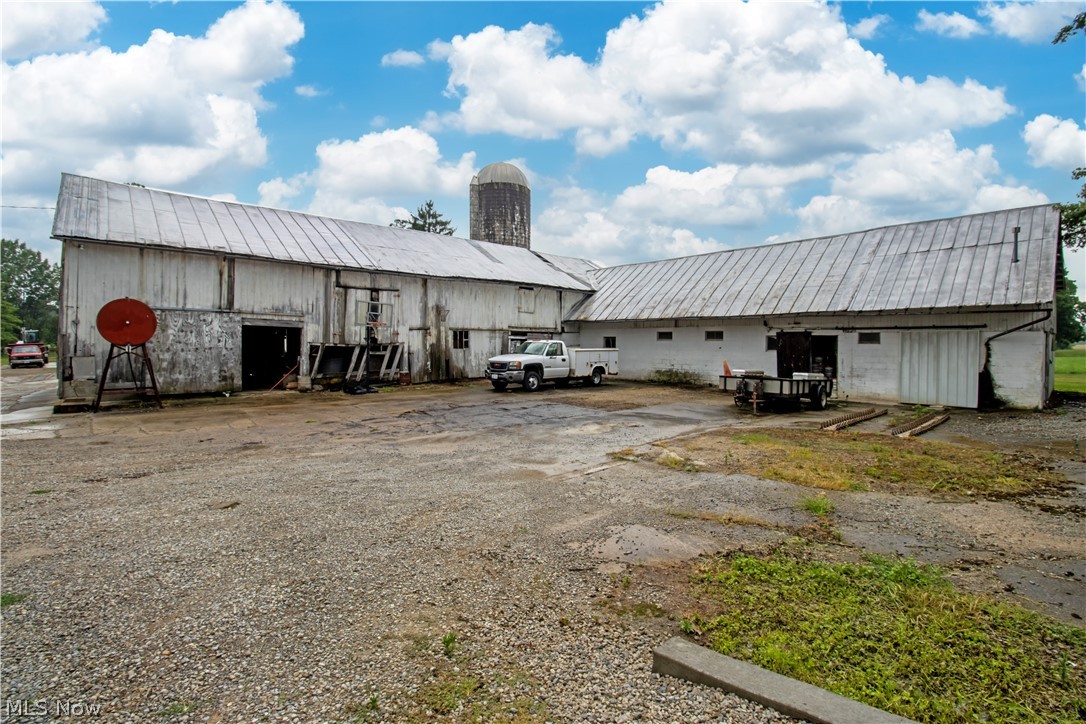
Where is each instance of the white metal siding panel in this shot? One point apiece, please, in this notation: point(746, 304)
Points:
point(940, 367)
point(1018, 365)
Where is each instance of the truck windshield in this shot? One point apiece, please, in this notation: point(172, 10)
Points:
point(532, 348)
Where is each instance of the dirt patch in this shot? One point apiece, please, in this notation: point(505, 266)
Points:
point(618, 395)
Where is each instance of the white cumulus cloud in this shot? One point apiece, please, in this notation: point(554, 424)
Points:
point(308, 91)
point(709, 196)
point(735, 82)
point(30, 27)
point(161, 113)
point(1055, 142)
point(920, 179)
point(954, 25)
point(1029, 22)
point(352, 176)
point(402, 58)
point(869, 27)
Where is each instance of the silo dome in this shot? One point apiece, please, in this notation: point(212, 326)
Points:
point(501, 173)
point(501, 206)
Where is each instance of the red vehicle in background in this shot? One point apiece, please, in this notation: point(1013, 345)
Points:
point(28, 355)
point(29, 350)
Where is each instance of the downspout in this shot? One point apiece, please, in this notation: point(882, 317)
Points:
point(985, 373)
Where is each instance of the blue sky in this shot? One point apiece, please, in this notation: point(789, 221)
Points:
point(647, 130)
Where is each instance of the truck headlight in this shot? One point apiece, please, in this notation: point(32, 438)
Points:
point(514, 365)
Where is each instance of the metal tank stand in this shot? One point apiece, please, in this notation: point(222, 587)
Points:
point(129, 351)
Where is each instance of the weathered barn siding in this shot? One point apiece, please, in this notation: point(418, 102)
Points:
point(219, 273)
point(203, 301)
point(865, 372)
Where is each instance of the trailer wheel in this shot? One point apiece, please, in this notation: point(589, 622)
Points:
point(532, 381)
point(500, 385)
point(819, 397)
point(597, 377)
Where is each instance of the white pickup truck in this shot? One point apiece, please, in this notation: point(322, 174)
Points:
point(546, 360)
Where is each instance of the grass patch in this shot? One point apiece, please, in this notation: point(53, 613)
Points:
point(179, 707)
point(448, 693)
point(448, 644)
point(819, 506)
point(362, 711)
point(10, 599)
point(43, 491)
point(625, 453)
point(914, 413)
point(860, 461)
point(1071, 370)
point(893, 634)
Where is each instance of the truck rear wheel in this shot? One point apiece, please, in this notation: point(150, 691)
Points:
point(597, 377)
point(532, 381)
point(819, 397)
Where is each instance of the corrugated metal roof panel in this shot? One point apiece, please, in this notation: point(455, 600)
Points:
point(97, 210)
point(579, 269)
point(957, 263)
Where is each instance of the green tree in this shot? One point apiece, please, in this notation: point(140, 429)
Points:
point(1076, 25)
point(10, 324)
point(1073, 216)
point(427, 219)
point(30, 283)
point(1070, 316)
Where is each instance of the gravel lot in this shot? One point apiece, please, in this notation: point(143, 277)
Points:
point(302, 557)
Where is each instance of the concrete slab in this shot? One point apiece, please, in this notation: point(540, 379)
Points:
point(686, 660)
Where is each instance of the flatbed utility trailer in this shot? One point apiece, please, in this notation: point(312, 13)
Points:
point(753, 387)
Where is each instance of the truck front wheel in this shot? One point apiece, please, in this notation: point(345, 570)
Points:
point(597, 377)
point(532, 381)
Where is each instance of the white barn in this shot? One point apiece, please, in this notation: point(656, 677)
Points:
point(955, 311)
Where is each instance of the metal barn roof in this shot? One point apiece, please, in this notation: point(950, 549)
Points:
point(95, 210)
point(947, 264)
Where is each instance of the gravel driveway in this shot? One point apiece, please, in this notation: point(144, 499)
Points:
point(435, 551)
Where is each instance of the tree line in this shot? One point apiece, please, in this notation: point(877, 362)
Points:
point(29, 293)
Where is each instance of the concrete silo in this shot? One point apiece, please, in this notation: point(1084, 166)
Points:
point(501, 206)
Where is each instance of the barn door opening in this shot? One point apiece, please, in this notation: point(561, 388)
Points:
point(267, 353)
point(793, 353)
point(824, 354)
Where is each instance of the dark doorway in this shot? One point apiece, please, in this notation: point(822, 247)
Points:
point(804, 352)
point(824, 355)
point(267, 354)
point(793, 353)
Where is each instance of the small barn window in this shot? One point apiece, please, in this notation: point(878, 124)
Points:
point(526, 300)
point(460, 339)
point(770, 343)
point(610, 342)
point(663, 336)
point(714, 335)
point(869, 338)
